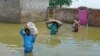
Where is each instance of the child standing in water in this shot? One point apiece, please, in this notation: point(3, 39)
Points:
point(76, 24)
point(28, 39)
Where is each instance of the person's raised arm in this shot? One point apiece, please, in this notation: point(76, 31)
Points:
point(22, 32)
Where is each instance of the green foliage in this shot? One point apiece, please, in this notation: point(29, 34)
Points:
point(52, 3)
point(59, 3)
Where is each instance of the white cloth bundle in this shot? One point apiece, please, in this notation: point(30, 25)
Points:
point(32, 27)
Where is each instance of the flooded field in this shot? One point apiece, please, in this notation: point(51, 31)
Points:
point(86, 42)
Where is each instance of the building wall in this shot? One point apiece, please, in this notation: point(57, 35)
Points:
point(95, 17)
point(33, 10)
point(9, 11)
point(68, 15)
point(65, 15)
point(20, 11)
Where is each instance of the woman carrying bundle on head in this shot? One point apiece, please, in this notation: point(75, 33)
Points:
point(53, 25)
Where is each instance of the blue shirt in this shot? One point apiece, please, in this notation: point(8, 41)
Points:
point(28, 39)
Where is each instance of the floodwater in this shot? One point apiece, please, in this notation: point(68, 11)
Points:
point(86, 42)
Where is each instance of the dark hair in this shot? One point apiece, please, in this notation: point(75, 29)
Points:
point(27, 31)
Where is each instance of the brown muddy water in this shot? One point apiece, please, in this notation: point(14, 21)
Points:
point(86, 42)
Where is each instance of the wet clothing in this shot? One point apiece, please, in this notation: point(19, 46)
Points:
point(75, 28)
point(28, 41)
point(53, 27)
point(28, 49)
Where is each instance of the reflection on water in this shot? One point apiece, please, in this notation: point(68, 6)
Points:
point(28, 54)
point(86, 42)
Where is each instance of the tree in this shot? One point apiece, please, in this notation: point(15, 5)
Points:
point(52, 3)
point(59, 3)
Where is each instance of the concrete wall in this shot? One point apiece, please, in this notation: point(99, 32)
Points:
point(68, 15)
point(20, 11)
point(9, 11)
point(95, 18)
point(65, 15)
point(33, 10)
